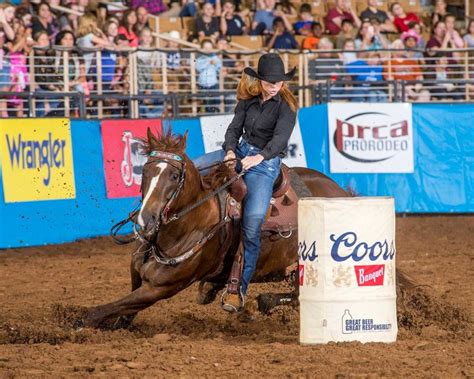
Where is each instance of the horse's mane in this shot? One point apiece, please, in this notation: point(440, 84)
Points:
point(169, 142)
point(217, 176)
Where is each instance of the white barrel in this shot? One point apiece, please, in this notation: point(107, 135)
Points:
point(347, 269)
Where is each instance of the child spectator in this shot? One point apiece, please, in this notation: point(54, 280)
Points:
point(367, 72)
point(88, 36)
point(342, 11)
point(45, 21)
point(7, 14)
point(373, 12)
point(349, 55)
point(281, 37)
point(445, 89)
point(108, 56)
point(411, 41)
point(173, 58)
point(347, 32)
point(456, 39)
point(401, 68)
point(327, 68)
point(231, 23)
point(370, 37)
point(208, 67)
point(402, 19)
point(469, 37)
point(127, 28)
point(311, 42)
point(142, 19)
point(304, 25)
point(207, 25)
point(18, 51)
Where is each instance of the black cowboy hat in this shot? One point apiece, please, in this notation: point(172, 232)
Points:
point(271, 69)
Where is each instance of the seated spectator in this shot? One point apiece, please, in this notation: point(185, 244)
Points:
point(342, 11)
point(173, 58)
point(231, 23)
point(152, 6)
point(367, 73)
point(411, 41)
point(231, 65)
point(120, 82)
point(7, 14)
point(327, 68)
point(370, 37)
point(281, 37)
point(263, 19)
point(19, 49)
point(439, 12)
point(207, 25)
point(24, 15)
point(311, 42)
point(469, 37)
point(45, 22)
point(142, 19)
point(348, 55)
point(88, 36)
point(456, 39)
point(306, 20)
point(208, 67)
point(127, 28)
point(373, 12)
point(189, 9)
point(69, 21)
point(401, 19)
point(401, 68)
point(347, 32)
point(286, 7)
point(440, 40)
point(445, 89)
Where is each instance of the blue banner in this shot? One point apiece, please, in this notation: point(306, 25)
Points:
point(443, 180)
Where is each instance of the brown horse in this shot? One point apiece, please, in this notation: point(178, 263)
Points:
point(171, 183)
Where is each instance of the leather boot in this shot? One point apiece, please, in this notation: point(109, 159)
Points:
point(232, 302)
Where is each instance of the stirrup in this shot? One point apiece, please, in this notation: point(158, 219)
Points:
point(231, 307)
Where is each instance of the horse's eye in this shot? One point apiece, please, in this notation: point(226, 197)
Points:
point(175, 177)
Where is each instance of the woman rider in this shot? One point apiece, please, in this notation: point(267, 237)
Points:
point(258, 135)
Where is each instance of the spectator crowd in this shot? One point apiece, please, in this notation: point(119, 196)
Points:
point(347, 48)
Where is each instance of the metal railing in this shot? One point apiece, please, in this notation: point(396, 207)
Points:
point(163, 82)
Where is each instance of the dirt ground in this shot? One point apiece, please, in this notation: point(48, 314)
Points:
point(41, 287)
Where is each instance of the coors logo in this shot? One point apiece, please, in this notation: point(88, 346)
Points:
point(357, 139)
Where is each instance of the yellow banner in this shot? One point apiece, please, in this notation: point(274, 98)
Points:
point(36, 157)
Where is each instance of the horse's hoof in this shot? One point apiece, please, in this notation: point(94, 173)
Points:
point(266, 302)
point(78, 324)
point(207, 293)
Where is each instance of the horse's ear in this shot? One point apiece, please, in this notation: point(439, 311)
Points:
point(182, 145)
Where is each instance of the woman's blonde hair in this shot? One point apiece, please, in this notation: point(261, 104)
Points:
point(86, 24)
point(249, 87)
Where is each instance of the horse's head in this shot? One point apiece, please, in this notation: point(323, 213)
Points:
point(162, 180)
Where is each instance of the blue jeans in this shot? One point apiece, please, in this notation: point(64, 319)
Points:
point(259, 181)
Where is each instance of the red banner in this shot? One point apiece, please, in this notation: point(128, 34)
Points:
point(123, 161)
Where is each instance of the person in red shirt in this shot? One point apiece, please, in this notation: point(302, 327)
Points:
point(342, 11)
point(402, 19)
point(128, 26)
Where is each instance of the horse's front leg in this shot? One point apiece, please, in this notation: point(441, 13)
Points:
point(143, 297)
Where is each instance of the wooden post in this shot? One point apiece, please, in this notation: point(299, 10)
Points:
point(193, 80)
point(66, 82)
point(31, 62)
point(300, 81)
point(100, 104)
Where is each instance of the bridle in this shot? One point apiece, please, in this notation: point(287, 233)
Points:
point(147, 238)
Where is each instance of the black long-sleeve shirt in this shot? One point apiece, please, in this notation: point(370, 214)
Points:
point(266, 125)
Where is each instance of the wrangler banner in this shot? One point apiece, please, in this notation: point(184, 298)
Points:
point(123, 161)
point(36, 156)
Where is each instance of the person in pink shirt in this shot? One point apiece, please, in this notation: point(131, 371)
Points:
point(456, 38)
point(127, 28)
point(342, 11)
point(401, 19)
